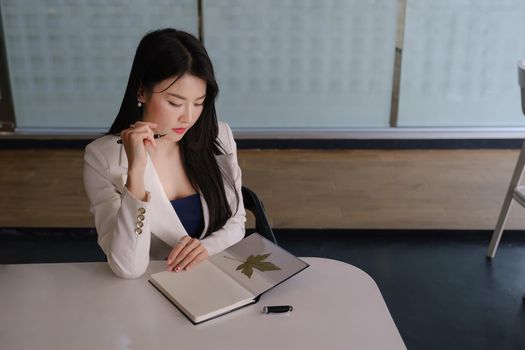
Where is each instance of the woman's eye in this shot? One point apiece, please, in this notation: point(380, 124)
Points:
point(174, 104)
point(199, 104)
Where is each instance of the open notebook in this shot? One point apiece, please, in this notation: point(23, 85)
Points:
point(228, 280)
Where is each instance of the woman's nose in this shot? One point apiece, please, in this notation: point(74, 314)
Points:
point(184, 118)
point(186, 115)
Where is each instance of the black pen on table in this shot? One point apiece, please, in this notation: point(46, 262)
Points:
point(156, 136)
point(278, 309)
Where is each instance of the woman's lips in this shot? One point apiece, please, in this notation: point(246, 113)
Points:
point(179, 130)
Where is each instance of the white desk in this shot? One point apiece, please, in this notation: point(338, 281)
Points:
point(84, 306)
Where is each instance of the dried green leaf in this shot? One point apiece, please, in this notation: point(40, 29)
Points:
point(248, 271)
point(266, 266)
point(262, 257)
point(257, 262)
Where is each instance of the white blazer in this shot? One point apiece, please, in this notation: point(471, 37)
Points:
point(130, 231)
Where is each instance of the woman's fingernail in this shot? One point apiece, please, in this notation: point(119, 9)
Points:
point(177, 269)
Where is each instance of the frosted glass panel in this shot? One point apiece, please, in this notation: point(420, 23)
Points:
point(69, 61)
point(302, 64)
point(460, 63)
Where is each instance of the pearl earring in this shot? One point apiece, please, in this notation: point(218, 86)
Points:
point(139, 104)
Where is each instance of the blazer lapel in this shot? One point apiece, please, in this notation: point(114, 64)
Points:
point(165, 224)
point(225, 163)
point(123, 159)
point(206, 214)
point(123, 163)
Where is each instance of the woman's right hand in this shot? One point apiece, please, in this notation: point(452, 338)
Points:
point(135, 139)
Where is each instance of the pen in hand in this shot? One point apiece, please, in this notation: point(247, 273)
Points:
point(156, 136)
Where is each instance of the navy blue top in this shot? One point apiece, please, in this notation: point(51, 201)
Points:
point(189, 211)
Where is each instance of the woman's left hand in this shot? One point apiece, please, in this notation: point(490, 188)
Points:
point(186, 254)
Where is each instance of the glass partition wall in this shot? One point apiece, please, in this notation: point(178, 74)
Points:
point(291, 65)
point(69, 61)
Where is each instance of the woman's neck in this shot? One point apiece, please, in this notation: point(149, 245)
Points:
point(165, 148)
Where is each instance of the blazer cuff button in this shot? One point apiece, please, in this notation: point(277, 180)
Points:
point(142, 210)
point(138, 231)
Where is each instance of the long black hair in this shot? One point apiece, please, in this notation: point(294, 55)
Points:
point(167, 53)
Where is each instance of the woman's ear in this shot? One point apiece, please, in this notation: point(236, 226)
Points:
point(141, 94)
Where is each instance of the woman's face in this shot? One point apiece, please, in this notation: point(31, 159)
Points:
point(176, 108)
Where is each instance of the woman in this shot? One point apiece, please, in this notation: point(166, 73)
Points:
point(165, 183)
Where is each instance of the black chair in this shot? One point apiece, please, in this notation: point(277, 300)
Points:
point(253, 204)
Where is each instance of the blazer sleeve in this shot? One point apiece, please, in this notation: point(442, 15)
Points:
point(121, 220)
point(233, 230)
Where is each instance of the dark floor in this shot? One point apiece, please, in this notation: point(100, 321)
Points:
point(440, 289)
